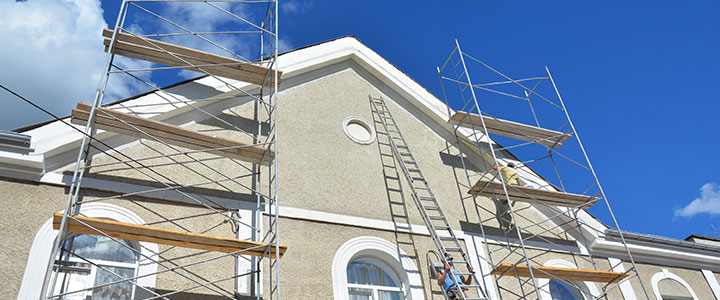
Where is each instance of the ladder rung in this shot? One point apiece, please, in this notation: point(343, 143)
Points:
point(405, 153)
point(436, 217)
point(442, 227)
point(413, 170)
point(447, 238)
point(431, 207)
point(459, 262)
point(402, 146)
point(418, 178)
point(453, 249)
point(425, 198)
point(471, 285)
point(409, 161)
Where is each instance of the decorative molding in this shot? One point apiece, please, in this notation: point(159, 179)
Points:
point(474, 244)
point(665, 274)
point(657, 255)
point(380, 249)
point(712, 282)
point(625, 286)
point(40, 251)
point(364, 124)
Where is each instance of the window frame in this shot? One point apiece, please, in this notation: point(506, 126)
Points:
point(96, 264)
point(665, 274)
point(374, 289)
point(41, 252)
point(382, 250)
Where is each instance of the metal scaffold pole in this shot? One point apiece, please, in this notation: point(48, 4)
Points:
point(514, 204)
point(177, 168)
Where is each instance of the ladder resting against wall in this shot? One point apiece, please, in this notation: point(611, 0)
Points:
point(433, 216)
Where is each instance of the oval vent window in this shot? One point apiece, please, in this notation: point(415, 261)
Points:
point(358, 130)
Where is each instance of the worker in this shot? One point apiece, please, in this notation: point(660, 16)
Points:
point(448, 284)
point(509, 174)
point(502, 206)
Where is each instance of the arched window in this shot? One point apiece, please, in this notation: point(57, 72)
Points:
point(89, 260)
point(372, 279)
point(113, 257)
point(668, 286)
point(560, 290)
point(369, 267)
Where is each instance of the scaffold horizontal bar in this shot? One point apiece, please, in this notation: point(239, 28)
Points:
point(144, 233)
point(127, 124)
point(559, 273)
point(531, 195)
point(511, 129)
point(187, 58)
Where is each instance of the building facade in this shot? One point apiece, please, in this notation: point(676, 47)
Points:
point(346, 209)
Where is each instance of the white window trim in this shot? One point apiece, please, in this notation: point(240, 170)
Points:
point(665, 274)
point(359, 121)
point(544, 283)
point(380, 249)
point(40, 251)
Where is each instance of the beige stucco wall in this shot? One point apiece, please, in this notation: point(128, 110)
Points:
point(27, 207)
point(40, 201)
point(322, 170)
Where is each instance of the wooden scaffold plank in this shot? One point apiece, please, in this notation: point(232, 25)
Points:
point(157, 51)
point(559, 273)
point(163, 236)
point(170, 134)
point(547, 137)
point(531, 195)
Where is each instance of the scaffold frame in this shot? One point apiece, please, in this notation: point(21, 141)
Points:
point(517, 205)
point(255, 80)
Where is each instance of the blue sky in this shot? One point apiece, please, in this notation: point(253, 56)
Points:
point(637, 78)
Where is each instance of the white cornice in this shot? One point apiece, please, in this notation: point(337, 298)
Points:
point(658, 254)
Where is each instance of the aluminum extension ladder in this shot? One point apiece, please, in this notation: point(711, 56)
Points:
point(425, 200)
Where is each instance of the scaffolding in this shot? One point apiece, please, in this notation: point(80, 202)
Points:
point(523, 216)
point(206, 187)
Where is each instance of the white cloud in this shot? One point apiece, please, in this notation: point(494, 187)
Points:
point(52, 54)
point(294, 6)
point(709, 202)
point(205, 18)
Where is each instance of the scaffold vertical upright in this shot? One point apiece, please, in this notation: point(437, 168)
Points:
point(187, 179)
point(516, 206)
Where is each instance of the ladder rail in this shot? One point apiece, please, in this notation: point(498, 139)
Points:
point(455, 246)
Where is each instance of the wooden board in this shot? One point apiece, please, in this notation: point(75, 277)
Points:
point(170, 134)
point(511, 129)
point(530, 195)
point(157, 52)
point(559, 273)
point(170, 237)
